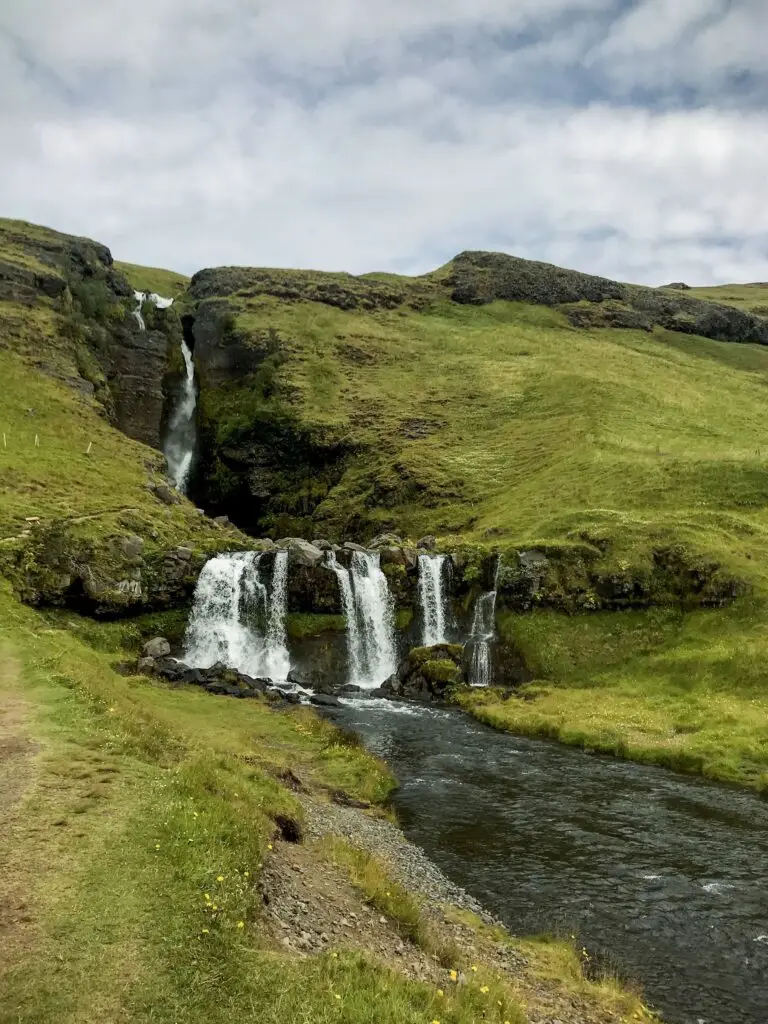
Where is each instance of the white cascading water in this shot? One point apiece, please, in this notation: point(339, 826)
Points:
point(237, 620)
point(139, 296)
point(433, 598)
point(179, 444)
point(369, 610)
point(483, 632)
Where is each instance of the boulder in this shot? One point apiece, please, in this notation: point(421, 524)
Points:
point(146, 666)
point(132, 546)
point(351, 546)
point(393, 556)
point(324, 700)
point(411, 556)
point(165, 494)
point(428, 543)
point(222, 521)
point(156, 648)
point(183, 554)
point(427, 673)
point(323, 545)
point(301, 552)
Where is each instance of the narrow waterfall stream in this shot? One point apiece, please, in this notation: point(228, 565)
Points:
point(237, 620)
point(181, 434)
point(433, 598)
point(370, 613)
point(483, 632)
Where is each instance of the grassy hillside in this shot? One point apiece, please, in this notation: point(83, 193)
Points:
point(153, 279)
point(752, 297)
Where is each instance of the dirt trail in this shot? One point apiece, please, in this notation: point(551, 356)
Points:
point(16, 775)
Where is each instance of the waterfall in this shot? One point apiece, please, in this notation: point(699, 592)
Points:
point(153, 297)
point(433, 599)
point(276, 659)
point(483, 632)
point(369, 610)
point(179, 445)
point(236, 619)
point(139, 296)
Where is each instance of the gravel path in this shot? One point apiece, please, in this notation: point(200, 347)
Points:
point(410, 865)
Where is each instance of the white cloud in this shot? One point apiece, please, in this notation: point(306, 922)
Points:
point(184, 135)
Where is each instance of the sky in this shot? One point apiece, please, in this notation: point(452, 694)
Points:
point(627, 138)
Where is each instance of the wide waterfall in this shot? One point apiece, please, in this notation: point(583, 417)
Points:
point(181, 436)
point(433, 598)
point(239, 620)
point(369, 610)
point(483, 632)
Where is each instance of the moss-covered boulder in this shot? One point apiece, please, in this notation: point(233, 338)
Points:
point(427, 673)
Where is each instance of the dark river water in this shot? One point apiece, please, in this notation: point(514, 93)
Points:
point(666, 875)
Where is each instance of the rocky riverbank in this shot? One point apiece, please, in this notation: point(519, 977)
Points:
point(313, 906)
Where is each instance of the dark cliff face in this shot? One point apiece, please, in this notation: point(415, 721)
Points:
point(95, 342)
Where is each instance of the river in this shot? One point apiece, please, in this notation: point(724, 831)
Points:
point(662, 874)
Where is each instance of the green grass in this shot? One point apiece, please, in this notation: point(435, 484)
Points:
point(153, 279)
point(749, 297)
point(683, 690)
point(147, 817)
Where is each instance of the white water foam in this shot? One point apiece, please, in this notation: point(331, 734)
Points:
point(230, 609)
point(179, 446)
point(369, 611)
point(483, 632)
point(433, 598)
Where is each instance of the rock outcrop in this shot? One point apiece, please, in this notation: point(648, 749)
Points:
point(427, 673)
point(482, 277)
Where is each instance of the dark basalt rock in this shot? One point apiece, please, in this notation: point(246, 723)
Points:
point(324, 700)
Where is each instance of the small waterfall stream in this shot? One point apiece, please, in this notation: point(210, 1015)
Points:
point(433, 598)
point(369, 610)
point(483, 632)
point(179, 445)
point(237, 619)
point(181, 435)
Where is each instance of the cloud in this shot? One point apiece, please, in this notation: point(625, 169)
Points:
point(359, 136)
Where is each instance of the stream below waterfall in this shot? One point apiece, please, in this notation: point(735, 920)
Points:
point(662, 874)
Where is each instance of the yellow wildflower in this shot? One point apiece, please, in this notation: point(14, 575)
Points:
point(269, 846)
point(335, 955)
point(241, 924)
point(474, 967)
point(214, 907)
point(247, 874)
point(205, 931)
point(336, 995)
point(440, 992)
point(157, 846)
point(208, 898)
point(220, 878)
point(483, 989)
point(454, 975)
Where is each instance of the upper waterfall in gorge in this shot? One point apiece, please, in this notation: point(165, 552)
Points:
point(369, 610)
point(181, 435)
point(433, 598)
point(239, 620)
point(179, 444)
